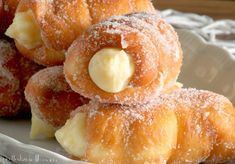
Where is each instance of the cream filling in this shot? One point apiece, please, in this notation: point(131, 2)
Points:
point(72, 136)
point(25, 30)
point(40, 129)
point(111, 69)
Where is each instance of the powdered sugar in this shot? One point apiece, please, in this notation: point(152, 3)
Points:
point(56, 82)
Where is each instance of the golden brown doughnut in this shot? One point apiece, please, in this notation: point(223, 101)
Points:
point(60, 22)
point(151, 43)
point(41, 54)
point(50, 97)
point(106, 133)
point(10, 95)
point(15, 72)
point(206, 123)
point(185, 126)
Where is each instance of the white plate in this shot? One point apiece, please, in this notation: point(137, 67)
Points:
point(205, 67)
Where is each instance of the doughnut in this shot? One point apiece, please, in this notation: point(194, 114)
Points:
point(7, 12)
point(125, 59)
point(28, 38)
point(50, 97)
point(15, 72)
point(206, 123)
point(106, 133)
point(185, 126)
point(10, 95)
point(53, 25)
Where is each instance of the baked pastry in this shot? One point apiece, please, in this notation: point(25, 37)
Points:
point(206, 123)
point(185, 126)
point(50, 97)
point(53, 25)
point(27, 35)
point(125, 59)
point(106, 133)
point(10, 95)
point(7, 12)
point(15, 72)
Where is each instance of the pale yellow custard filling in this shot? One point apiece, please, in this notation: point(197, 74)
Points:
point(25, 30)
point(111, 69)
point(40, 129)
point(72, 136)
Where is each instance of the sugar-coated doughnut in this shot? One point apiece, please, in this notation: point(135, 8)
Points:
point(106, 133)
point(14, 74)
point(184, 126)
point(50, 97)
point(125, 59)
point(10, 94)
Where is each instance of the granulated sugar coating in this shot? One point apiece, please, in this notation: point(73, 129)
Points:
point(10, 96)
point(156, 53)
point(187, 125)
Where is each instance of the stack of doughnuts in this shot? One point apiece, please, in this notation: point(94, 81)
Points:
point(109, 93)
point(42, 32)
point(128, 67)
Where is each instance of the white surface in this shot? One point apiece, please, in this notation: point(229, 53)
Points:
point(205, 67)
point(220, 32)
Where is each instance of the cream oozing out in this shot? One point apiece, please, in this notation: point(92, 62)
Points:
point(72, 136)
point(111, 69)
point(40, 129)
point(25, 30)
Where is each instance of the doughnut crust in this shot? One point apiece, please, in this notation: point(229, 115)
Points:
point(185, 126)
point(149, 40)
point(50, 97)
point(62, 21)
point(10, 95)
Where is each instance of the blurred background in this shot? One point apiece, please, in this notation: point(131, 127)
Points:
point(217, 9)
